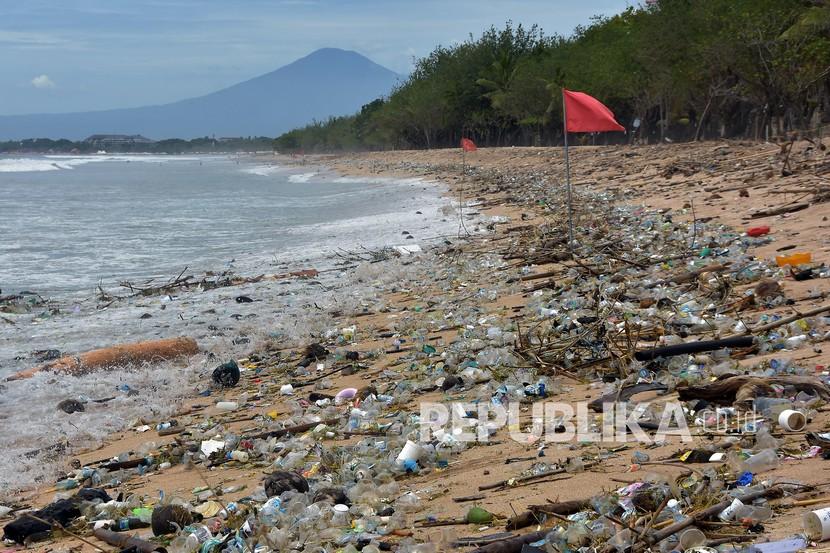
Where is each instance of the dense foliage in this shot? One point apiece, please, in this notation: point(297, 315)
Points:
point(685, 69)
point(169, 146)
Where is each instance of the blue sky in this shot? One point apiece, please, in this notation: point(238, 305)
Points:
point(77, 55)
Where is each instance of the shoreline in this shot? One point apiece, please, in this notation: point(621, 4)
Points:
point(488, 182)
point(278, 312)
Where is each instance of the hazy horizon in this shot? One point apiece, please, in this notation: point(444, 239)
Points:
point(86, 55)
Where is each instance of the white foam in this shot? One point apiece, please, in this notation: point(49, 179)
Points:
point(58, 162)
point(24, 165)
point(380, 180)
point(262, 170)
point(301, 178)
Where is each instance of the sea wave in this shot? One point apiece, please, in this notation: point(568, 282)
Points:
point(59, 162)
point(262, 170)
point(301, 178)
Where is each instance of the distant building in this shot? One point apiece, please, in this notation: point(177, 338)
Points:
point(110, 140)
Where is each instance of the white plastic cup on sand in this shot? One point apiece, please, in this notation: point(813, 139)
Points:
point(792, 420)
point(691, 537)
point(227, 405)
point(817, 524)
point(410, 452)
point(729, 513)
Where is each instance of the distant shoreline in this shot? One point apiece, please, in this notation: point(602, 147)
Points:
point(118, 145)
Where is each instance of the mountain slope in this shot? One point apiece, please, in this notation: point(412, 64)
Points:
point(327, 82)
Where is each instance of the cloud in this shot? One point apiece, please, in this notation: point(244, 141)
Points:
point(43, 81)
point(24, 40)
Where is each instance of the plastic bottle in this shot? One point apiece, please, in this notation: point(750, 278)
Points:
point(765, 460)
point(796, 258)
point(270, 511)
point(752, 515)
point(772, 406)
point(765, 440)
point(729, 512)
point(201, 532)
point(240, 456)
point(790, 545)
point(184, 543)
point(408, 503)
point(131, 523)
point(67, 484)
point(794, 342)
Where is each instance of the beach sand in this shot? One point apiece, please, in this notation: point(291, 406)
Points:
point(714, 181)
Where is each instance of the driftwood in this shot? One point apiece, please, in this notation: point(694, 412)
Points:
point(660, 535)
point(689, 276)
point(623, 395)
point(208, 282)
point(742, 390)
point(780, 210)
point(290, 430)
point(694, 347)
point(524, 479)
point(465, 498)
point(512, 545)
point(786, 320)
point(125, 354)
point(482, 540)
point(125, 541)
point(529, 518)
point(537, 276)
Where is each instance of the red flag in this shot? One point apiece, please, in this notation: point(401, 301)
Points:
point(468, 145)
point(584, 113)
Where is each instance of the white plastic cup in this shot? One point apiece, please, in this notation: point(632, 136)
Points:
point(729, 513)
point(817, 524)
point(792, 420)
point(227, 405)
point(691, 537)
point(410, 452)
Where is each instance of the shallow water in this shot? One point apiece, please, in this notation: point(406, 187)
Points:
point(68, 224)
point(131, 217)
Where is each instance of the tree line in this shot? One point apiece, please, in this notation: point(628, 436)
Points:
point(669, 69)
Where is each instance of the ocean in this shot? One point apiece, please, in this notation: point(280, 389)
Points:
point(72, 227)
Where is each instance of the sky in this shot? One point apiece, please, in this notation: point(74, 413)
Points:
point(81, 55)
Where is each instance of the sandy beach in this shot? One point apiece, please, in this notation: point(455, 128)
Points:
point(643, 213)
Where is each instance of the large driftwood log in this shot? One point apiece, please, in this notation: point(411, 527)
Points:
point(694, 347)
point(125, 354)
point(742, 390)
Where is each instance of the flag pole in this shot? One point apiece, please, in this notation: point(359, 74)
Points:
point(568, 174)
